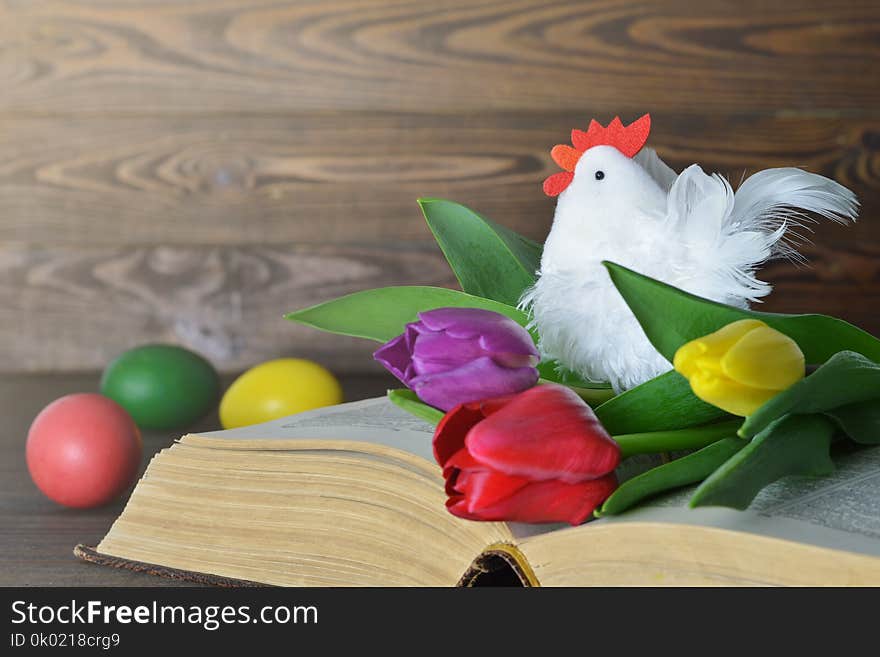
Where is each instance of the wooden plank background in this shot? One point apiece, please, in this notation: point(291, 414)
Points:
point(188, 170)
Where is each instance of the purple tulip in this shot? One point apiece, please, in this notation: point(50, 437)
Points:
point(453, 356)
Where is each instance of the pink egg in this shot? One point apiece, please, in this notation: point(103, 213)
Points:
point(83, 450)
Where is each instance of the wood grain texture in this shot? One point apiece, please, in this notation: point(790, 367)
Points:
point(188, 171)
point(450, 56)
point(67, 309)
point(337, 178)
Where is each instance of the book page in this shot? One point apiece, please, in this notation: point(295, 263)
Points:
point(345, 495)
point(840, 511)
point(371, 420)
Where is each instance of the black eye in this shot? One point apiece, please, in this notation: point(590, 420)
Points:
point(600, 175)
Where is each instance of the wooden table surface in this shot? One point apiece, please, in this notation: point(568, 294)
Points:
point(38, 536)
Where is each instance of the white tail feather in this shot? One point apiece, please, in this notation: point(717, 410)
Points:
point(776, 201)
point(727, 236)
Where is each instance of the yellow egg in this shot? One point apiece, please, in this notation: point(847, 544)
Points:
point(275, 389)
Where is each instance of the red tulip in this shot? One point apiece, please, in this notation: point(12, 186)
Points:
point(538, 456)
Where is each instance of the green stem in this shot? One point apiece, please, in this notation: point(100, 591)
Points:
point(667, 441)
point(408, 401)
point(593, 396)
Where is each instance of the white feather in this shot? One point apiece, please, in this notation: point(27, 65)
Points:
point(663, 174)
point(689, 230)
point(775, 201)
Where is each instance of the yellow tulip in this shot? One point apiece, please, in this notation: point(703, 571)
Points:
point(741, 366)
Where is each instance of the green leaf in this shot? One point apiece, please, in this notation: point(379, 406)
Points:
point(382, 313)
point(654, 442)
point(489, 260)
point(408, 401)
point(665, 402)
point(671, 317)
point(681, 472)
point(593, 396)
point(793, 445)
point(847, 378)
point(860, 421)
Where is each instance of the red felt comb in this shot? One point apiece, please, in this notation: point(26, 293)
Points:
point(627, 139)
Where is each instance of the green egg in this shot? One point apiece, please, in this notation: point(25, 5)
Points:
point(162, 386)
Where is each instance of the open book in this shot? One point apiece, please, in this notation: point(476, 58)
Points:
point(351, 495)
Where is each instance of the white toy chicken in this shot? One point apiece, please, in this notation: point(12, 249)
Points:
point(618, 201)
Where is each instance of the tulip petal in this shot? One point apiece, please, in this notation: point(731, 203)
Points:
point(546, 432)
point(484, 488)
point(457, 506)
point(451, 431)
point(496, 333)
point(495, 404)
point(462, 460)
point(439, 352)
point(729, 395)
point(715, 345)
point(706, 352)
point(479, 379)
point(395, 357)
point(454, 468)
point(685, 360)
point(765, 358)
point(543, 501)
